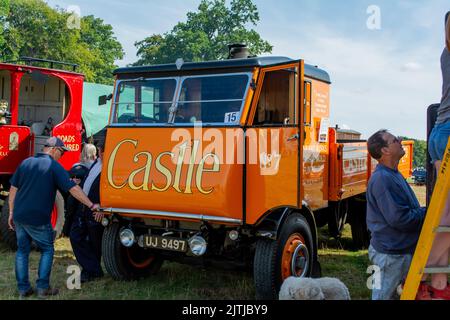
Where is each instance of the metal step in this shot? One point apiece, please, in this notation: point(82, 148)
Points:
point(433, 270)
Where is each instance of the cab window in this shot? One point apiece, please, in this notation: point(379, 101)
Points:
point(276, 105)
point(146, 101)
point(212, 99)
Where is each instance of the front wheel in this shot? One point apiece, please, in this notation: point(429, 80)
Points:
point(291, 255)
point(124, 263)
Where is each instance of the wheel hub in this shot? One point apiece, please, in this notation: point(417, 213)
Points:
point(295, 261)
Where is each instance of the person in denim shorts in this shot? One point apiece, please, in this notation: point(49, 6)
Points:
point(437, 142)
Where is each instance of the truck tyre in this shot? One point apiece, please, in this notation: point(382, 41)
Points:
point(127, 263)
point(291, 255)
point(8, 236)
point(360, 233)
point(337, 217)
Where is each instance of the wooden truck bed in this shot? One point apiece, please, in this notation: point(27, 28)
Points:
point(351, 166)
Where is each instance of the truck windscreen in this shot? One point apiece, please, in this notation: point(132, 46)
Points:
point(214, 99)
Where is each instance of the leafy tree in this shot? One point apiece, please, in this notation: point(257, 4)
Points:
point(4, 10)
point(34, 29)
point(206, 34)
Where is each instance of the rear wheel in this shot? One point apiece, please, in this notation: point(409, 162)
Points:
point(360, 232)
point(337, 217)
point(127, 263)
point(291, 255)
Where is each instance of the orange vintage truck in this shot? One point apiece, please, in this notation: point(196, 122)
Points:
point(228, 161)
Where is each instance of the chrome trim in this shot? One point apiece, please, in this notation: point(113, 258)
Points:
point(172, 215)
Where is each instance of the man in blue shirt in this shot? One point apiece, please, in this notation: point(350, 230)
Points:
point(31, 200)
point(394, 216)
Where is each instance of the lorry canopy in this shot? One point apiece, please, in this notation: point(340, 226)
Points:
point(310, 71)
point(95, 117)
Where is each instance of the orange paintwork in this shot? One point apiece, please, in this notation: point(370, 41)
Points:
point(352, 166)
point(316, 153)
point(275, 184)
point(406, 163)
point(140, 174)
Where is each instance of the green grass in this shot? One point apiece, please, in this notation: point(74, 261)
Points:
point(178, 281)
point(185, 282)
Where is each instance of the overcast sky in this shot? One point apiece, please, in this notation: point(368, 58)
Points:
point(382, 78)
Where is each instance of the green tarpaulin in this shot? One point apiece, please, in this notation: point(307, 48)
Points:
point(95, 117)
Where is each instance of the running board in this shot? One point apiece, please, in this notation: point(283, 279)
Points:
point(172, 215)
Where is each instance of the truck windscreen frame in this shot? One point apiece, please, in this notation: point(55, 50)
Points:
point(210, 99)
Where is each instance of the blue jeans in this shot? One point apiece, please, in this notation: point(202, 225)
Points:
point(438, 141)
point(43, 237)
point(393, 270)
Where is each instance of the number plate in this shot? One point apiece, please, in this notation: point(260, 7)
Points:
point(165, 243)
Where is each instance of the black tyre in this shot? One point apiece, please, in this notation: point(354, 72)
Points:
point(8, 236)
point(337, 217)
point(291, 255)
point(360, 233)
point(127, 263)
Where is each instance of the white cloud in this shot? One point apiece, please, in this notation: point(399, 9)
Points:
point(373, 87)
point(411, 67)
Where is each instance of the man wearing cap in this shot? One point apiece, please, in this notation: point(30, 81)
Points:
point(31, 200)
point(87, 231)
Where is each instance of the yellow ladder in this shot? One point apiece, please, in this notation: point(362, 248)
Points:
point(429, 229)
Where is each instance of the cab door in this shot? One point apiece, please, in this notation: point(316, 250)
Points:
point(273, 142)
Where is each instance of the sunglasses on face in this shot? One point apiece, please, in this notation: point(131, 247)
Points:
point(395, 140)
point(62, 151)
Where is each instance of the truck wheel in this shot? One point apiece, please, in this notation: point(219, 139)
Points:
point(291, 255)
point(127, 263)
point(337, 217)
point(8, 236)
point(360, 233)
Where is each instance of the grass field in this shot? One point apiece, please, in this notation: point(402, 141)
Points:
point(184, 282)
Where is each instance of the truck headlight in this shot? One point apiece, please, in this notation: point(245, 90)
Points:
point(127, 238)
point(197, 245)
point(105, 221)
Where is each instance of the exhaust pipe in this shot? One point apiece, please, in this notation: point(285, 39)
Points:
point(238, 51)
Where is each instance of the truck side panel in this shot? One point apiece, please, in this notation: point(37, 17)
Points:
point(406, 163)
point(315, 149)
point(272, 180)
point(167, 170)
point(16, 144)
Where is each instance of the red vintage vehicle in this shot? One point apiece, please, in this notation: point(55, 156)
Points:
point(36, 103)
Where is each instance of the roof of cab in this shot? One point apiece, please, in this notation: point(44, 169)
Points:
point(310, 71)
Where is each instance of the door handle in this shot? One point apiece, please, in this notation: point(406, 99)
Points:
point(294, 137)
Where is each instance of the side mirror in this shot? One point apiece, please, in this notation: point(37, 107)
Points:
point(102, 100)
